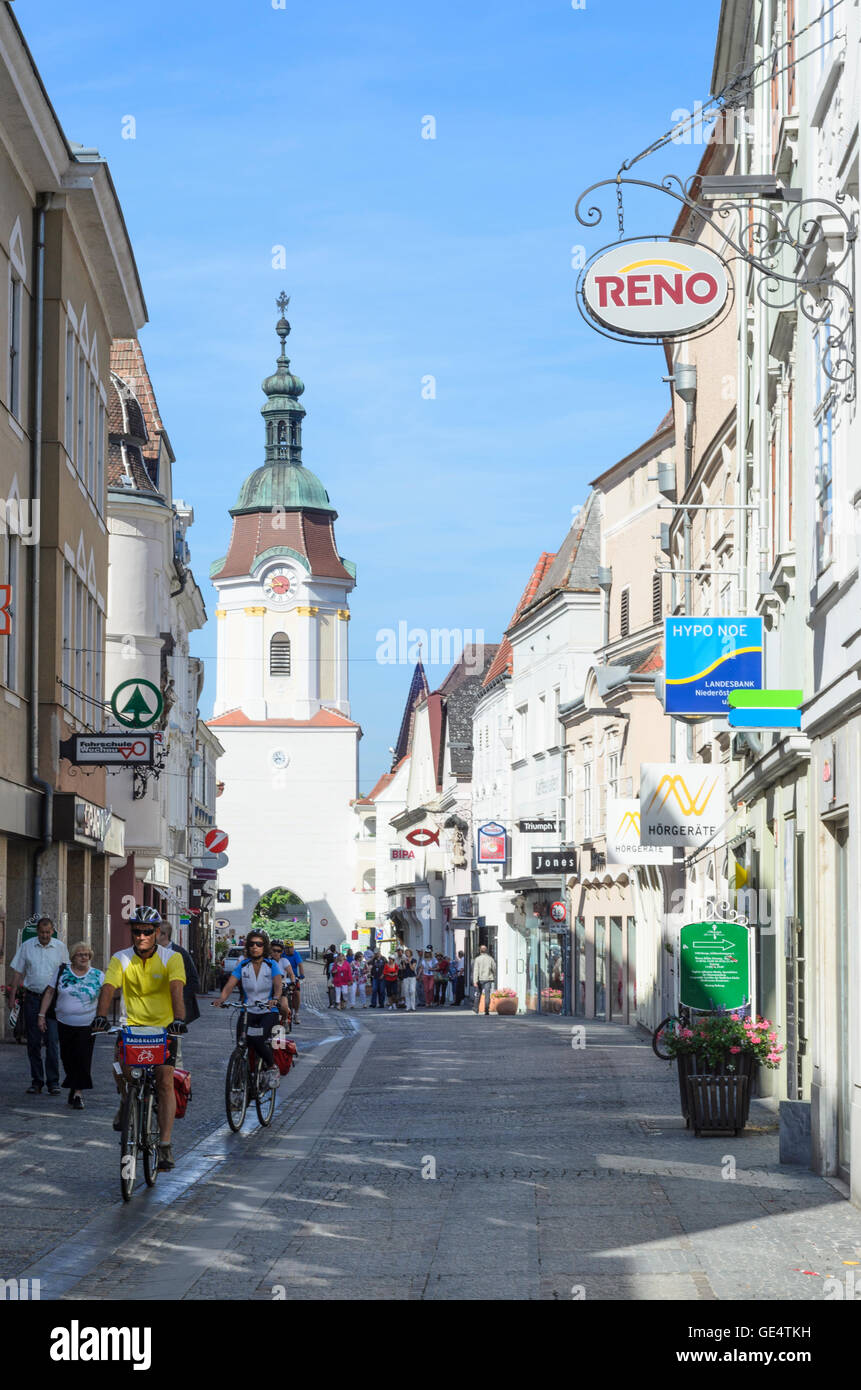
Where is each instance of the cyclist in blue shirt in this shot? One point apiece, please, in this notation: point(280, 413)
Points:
point(260, 981)
point(294, 960)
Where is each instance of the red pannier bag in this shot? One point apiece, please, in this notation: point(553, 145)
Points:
point(283, 1050)
point(182, 1090)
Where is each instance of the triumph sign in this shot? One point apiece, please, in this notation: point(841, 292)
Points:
point(655, 289)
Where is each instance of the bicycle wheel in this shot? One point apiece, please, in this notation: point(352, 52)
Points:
point(149, 1138)
point(658, 1039)
point(129, 1144)
point(264, 1100)
point(236, 1089)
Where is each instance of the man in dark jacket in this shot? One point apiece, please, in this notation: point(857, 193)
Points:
point(191, 987)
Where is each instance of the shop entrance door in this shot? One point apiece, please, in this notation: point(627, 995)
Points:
point(554, 991)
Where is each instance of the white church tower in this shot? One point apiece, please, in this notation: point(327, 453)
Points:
point(282, 704)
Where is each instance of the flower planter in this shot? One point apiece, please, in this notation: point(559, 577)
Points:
point(719, 1104)
point(691, 1067)
point(503, 1006)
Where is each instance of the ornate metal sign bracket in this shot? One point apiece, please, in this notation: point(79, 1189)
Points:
point(796, 246)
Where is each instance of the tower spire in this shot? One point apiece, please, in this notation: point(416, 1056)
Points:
point(282, 412)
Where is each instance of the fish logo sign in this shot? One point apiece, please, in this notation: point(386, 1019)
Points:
point(423, 836)
point(677, 786)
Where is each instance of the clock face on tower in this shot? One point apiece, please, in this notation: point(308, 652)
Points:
point(278, 585)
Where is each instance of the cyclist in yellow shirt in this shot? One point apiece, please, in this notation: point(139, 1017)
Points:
point(151, 978)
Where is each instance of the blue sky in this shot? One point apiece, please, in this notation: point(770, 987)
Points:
point(405, 257)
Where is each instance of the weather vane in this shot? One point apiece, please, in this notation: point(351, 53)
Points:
point(282, 301)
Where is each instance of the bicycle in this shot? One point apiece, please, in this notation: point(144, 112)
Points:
point(139, 1131)
point(244, 1082)
point(668, 1024)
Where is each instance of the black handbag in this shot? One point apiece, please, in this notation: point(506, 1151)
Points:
point(52, 1009)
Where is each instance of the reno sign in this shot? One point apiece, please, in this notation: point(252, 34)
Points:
point(655, 289)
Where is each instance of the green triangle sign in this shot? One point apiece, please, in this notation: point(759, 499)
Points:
point(137, 711)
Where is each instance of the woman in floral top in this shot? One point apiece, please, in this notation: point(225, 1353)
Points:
point(77, 991)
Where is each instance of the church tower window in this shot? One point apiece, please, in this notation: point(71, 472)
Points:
point(282, 439)
point(279, 655)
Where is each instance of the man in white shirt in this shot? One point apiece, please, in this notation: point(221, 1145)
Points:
point(35, 965)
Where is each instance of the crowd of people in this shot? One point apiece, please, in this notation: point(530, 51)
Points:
point(402, 980)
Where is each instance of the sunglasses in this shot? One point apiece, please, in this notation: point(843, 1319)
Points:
point(255, 943)
point(143, 931)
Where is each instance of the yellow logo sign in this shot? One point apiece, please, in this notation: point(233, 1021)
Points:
point(676, 786)
point(632, 819)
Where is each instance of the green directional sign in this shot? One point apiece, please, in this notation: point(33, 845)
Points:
point(714, 965)
point(137, 704)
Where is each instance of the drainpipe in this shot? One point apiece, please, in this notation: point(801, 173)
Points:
point(685, 383)
point(36, 493)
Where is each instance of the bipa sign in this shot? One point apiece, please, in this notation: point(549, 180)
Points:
point(655, 288)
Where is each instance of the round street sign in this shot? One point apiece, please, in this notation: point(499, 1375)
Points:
point(324, 921)
point(136, 703)
point(655, 288)
point(557, 912)
point(222, 921)
point(216, 841)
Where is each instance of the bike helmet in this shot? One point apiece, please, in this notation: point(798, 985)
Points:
point(146, 916)
point(275, 942)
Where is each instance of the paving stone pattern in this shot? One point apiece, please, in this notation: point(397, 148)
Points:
point(437, 1155)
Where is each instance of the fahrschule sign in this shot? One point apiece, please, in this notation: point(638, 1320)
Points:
point(655, 288)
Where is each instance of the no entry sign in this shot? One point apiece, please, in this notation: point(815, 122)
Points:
point(216, 841)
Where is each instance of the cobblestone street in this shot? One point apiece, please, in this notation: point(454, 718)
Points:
point(421, 1156)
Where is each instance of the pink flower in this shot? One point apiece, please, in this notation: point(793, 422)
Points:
point(736, 1018)
point(735, 1049)
point(772, 1037)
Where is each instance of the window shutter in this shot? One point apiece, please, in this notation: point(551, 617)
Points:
point(624, 614)
point(279, 655)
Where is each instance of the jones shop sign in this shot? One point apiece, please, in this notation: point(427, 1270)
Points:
point(681, 803)
point(656, 288)
point(714, 965)
point(554, 861)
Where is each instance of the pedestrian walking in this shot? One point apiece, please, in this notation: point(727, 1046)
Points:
point(408, 981)
point(360, 979)
point(190, 989)
point(329, 957)
point(483, 975)
point(440, 980)
point(390, 978)
point(71, 1000)
point(342, 979)
point(378, 984)
point(35, 965)
point(460, 982)
point(420, 980)
point(452, 980)
point(427, 976)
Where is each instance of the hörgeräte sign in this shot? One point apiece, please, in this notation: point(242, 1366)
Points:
point(681, 804)
point(714, 965)
point(655, 288)
point(706, 658)
point(623, 835)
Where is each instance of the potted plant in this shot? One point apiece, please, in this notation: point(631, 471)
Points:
point(716, 1057)
point(503, 1001)
point(551, 1001)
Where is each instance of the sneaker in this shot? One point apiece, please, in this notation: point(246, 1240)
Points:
point(166, 1160)
point(295, 1023)
point(55, 1090)
point(272, 1079)
point(77, 1102)
point(34, 1089)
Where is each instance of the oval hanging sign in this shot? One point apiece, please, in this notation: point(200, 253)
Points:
point(655, 289)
